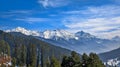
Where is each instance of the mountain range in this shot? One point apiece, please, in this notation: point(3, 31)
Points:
point(63, 42)
point(79, 41)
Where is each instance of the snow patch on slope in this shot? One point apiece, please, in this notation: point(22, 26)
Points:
point(112, 62)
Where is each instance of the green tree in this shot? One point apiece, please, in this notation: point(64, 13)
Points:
point(42, 60)
point(64, 61)
point(8, 49)
point(55, 62)
point(23, 55)
point(13, 62)
point(85, 59)
point(4, 48)
point(75, 57)
point(48, 62)
point(38, 58)
point(32, 55)
point(94, 61)
point(71, 61)
point(17, 54)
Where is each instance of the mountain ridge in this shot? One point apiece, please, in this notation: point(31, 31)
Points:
point(80, 41)
point(49, 34)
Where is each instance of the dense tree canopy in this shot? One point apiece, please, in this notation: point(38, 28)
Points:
point(86, 61)
point(4, 48)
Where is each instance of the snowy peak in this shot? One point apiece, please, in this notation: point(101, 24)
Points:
point(50, 34)
point(53, 34)
point(24, 31)
point(82, 34)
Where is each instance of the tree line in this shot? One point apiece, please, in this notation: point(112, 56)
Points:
point(32, 56)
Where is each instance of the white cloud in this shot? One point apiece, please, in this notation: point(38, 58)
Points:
point(102, 11)
point(109, 35)
point(101, 21)
point(45, 3)
point(97, 26)
point(53, 3)
point(14, 13)
point(34, 20)
point(18, 12)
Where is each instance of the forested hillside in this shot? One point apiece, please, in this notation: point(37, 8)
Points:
point(28, 51)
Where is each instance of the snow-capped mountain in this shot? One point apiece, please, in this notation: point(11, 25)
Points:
point(48, 34)
point(55, 34)
point(82, 34)
point(80, 41)
point(24, 31)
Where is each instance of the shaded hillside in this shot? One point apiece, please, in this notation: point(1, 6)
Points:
point(110, 55)
point(18, 39)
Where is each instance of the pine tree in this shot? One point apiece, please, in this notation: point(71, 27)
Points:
point(55, 62)
point(4, 48)
point(42, 61)
point(38, 57)
point(94, 61)
point(17, 54)
point(85, 59)
point(7, 49)
point(13, 62)
point(71, 61)
point(32, 54)
point(23, 55)
point(64, 61)
point(75, 57)
point(48, 62)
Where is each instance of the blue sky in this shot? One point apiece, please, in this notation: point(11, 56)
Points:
point(98, 17)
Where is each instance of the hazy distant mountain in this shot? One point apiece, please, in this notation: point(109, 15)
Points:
point(80, 41)
point(117, 38)
point(82, 34)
